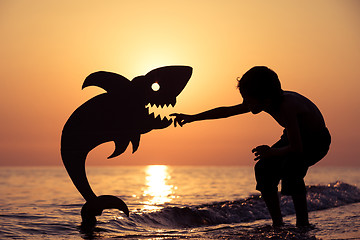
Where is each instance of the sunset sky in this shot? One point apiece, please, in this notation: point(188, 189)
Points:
point(47, 48)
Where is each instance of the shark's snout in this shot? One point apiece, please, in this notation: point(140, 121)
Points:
point(159, 88)
point(171, 81)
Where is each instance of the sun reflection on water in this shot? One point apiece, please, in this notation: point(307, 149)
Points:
point(157, 191)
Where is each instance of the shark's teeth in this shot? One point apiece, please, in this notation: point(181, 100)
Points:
point(173, 102)
point(159, 112)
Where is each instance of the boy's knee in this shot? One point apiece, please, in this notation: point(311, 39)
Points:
point(267, 168)
point(266, 179)
point(259, 168)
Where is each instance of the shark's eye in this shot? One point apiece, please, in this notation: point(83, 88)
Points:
point(155, 86)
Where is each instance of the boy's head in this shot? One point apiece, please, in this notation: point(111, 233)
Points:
point(260, 86)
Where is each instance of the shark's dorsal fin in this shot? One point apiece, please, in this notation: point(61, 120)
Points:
point(120, 147)
point(108, 81)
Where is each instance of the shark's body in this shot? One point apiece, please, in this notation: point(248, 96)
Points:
point(119, 115)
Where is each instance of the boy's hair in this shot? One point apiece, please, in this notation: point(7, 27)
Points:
point(260, 82)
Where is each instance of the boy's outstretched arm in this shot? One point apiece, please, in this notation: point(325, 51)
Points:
point(220, 112)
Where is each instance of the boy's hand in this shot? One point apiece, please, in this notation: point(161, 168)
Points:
point(181, 119)
point(261, 152)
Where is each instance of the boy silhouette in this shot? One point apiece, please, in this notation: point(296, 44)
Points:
point(304, 142)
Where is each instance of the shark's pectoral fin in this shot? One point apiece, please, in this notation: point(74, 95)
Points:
point(135, 141)
point(120, 147)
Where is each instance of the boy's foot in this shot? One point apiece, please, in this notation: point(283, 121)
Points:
point(278, 225)
point(306, 227)
point(302, 223)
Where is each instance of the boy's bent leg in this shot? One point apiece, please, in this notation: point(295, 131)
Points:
point(267, 178)
point(272, 202)
point(300, 205)
point(293, 184)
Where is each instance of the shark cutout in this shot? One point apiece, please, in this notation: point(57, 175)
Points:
point(120, 115)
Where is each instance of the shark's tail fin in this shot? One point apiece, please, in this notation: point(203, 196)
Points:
point(95, 207)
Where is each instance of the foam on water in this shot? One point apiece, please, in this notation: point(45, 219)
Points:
point(244, 210)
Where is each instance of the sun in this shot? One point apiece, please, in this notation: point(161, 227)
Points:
point(158, 190)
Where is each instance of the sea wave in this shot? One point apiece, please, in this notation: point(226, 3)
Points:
point(244, 210)
point(242, 217)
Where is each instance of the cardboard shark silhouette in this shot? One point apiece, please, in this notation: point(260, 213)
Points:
point(120, 115)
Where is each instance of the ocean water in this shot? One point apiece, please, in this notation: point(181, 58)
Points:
point(171, 202)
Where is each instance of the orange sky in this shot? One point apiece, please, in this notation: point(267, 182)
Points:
point(47, 48)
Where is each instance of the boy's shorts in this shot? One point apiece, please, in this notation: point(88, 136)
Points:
point(291, 169)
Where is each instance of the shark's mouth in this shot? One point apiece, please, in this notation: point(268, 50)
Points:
point(157, 114)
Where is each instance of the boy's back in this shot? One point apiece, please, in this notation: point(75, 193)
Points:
point(294, 105)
